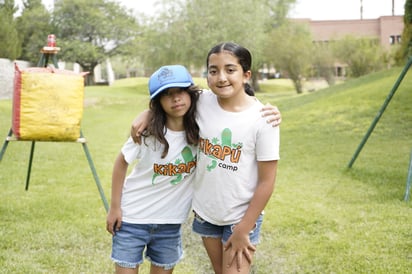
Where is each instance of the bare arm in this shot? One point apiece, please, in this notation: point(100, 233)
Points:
point(238, 245)
point(114, 216)
point(139, 125)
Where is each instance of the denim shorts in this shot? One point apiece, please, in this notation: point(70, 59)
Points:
point(206, 229)
point(163, 244)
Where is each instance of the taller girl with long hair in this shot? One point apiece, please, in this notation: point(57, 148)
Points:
point(237, 161)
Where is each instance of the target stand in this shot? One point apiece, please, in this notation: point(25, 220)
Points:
point(376, 120)
point(47, 54)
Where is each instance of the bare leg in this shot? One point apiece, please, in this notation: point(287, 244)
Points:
point(244, 267)
point(159, 270)
point(125, 270)
point(214, 249)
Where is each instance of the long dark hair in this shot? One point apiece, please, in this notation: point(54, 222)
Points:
point(158, 118)
point(241, 53)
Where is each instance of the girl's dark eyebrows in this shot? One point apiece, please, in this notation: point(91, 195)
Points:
point(227, 65)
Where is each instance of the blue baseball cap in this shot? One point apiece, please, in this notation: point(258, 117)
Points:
point(167, 77)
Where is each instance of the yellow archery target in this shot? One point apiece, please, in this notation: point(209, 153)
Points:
point(47, 104)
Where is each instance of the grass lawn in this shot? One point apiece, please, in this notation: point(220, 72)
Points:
point(322, 218)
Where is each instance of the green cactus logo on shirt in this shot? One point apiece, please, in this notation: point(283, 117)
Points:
point(177, 170)
point(220, 151)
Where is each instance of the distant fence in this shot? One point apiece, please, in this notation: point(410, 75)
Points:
point(7, 76)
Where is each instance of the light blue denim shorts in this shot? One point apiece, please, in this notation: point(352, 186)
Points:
point(206, 229)
point(161, 243)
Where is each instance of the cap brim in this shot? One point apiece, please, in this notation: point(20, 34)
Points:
point(171, 85)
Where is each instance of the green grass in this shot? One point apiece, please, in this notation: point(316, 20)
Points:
point(322, 218)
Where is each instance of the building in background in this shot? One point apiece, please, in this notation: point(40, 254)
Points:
point(387, 29)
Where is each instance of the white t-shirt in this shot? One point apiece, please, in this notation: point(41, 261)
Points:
point(230, 145)
point(158, 191)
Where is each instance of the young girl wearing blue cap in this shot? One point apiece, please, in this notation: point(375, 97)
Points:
point(237, 160)
point(148, 206)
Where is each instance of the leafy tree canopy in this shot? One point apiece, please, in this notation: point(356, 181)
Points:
point(33, 27)
point(405, 50)
point(91, 31)
point(187, 29)
point(10, 46)
point(290, 48)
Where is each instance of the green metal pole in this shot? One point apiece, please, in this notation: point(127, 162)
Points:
point(96, 178)
point(408, 181)
point(6, 143)
point(30, 163)
point(379, 114)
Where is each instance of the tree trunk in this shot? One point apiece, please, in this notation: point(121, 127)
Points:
point(255, 82)
point(89, 78)
point(297, 82)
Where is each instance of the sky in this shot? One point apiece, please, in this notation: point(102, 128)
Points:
point(316, 9)
point(345, 9)
point(312, 9)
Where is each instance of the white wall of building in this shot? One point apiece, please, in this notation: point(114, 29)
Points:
point(7, 76)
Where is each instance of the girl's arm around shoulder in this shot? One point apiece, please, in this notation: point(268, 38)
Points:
point(139, 125)
point(271, 114)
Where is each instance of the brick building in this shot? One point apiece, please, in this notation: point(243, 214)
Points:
point(387, 29)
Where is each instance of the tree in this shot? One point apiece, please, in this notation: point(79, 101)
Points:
point(33, 27)
point(323, 62)
point(162, 39)
point(405, 50)
point(91, 31)
point(186, 30)
point(363, 55)
point(10, 46)
point(289, 47)
point(214, 21)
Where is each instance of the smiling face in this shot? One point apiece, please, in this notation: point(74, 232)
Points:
point(226, 77)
